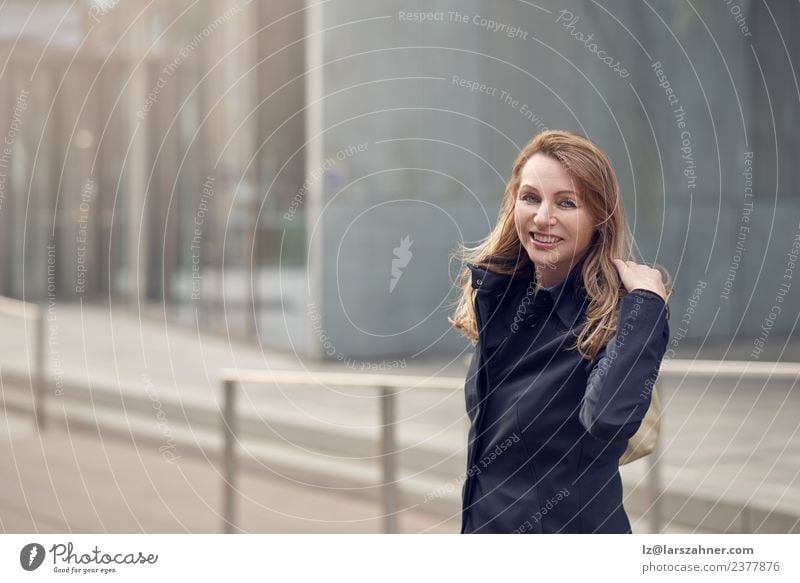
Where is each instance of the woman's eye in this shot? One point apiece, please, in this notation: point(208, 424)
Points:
point(530, 197)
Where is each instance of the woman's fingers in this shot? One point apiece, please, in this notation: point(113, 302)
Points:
point(638, 276)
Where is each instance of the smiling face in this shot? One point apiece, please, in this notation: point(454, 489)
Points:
point(553, 222)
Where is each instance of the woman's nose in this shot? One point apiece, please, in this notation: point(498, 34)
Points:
point(543, 216)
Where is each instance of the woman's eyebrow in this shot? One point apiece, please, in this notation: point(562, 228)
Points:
point(537, 190)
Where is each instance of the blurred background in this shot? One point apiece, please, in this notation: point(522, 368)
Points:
point(194, 191)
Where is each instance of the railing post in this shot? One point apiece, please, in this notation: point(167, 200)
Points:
point(39, 396)
point(654, 487)
point(744, 521)
point(229, 457)
point(389, 460)
point(654, 484)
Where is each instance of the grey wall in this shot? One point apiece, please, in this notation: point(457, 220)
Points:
point(437, 156)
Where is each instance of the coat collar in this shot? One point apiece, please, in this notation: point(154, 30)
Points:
point(566, 295)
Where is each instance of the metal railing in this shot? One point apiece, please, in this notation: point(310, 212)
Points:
point(34, 313)
point(388, 385)
point(714, 369)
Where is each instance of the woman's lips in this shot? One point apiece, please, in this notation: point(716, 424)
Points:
point(544, 246)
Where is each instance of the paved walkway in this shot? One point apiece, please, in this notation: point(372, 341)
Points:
point(78, 482)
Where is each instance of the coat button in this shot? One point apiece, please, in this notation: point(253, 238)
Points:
point(478, 281)
point(530, 320)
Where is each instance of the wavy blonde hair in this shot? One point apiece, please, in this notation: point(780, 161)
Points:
point(503, 252)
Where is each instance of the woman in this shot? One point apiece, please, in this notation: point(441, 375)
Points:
point(570, 333)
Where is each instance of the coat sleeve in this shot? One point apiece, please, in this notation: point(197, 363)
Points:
point(620, 382)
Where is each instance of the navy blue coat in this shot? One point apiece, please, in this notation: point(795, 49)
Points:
point(547, 427)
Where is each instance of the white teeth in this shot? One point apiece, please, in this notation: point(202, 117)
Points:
point(545, 239)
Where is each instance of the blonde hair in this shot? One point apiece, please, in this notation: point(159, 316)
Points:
point(503, 251)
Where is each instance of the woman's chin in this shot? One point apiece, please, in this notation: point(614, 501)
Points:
point(544, 258)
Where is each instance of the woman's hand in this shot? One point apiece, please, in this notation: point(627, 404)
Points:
point(635, 276)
